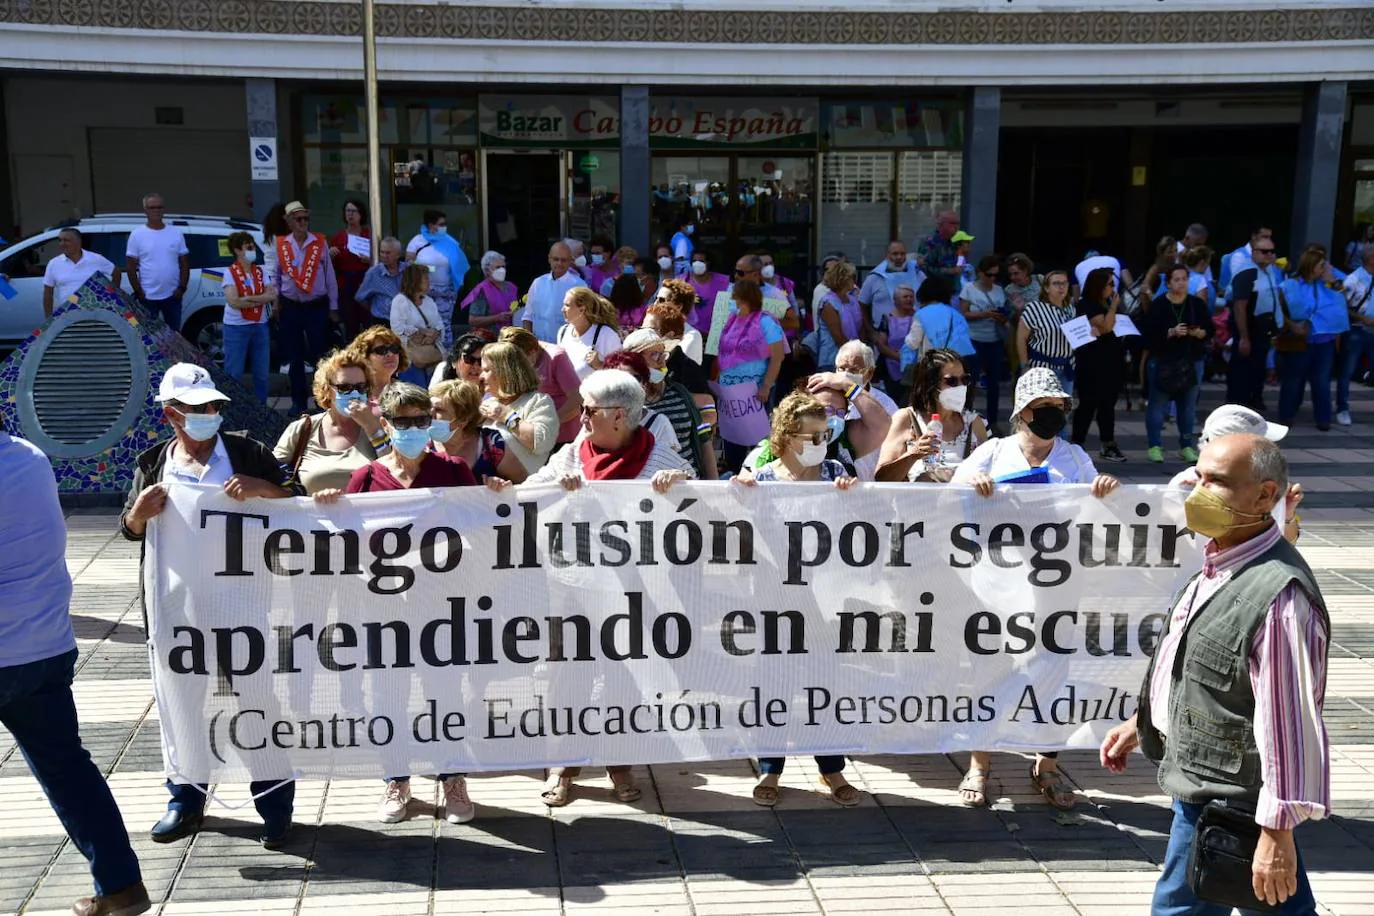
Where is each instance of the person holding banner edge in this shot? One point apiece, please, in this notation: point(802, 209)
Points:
point(1039, 414)
point(936, 426)
point(198, 453)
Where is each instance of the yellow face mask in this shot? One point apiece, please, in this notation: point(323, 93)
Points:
point(1211, 516)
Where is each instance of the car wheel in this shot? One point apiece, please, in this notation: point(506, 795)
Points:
point(205, 331)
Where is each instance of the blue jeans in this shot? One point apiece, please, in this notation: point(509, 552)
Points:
point(1360, 341)
point(36, 706)
point(989, 356)
point(169, 310)
point(1154, 409)
point(245, 343)
point(1173, 897)
point(1306, 368)
point(827, 764)
point(304, 329)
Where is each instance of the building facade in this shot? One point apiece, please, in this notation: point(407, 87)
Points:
point(796, 126)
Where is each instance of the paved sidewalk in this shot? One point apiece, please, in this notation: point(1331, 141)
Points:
point(695, 844)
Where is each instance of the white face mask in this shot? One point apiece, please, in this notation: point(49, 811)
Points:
point(698, 267)
point(954, 398)
point(665, 263)
point(812, 454)
point(657, 375)
point(769, 271)
point(580, 261)
point(499, 275)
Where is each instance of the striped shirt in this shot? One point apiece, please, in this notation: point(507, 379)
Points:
point(1288, 677)
point(1045, 340)
point(676, 404)
point(568, 461)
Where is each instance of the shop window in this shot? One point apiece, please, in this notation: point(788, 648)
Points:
point(856, 205)
point(594, 197)
point(437, 179)
point(332, 175)
point(928, 181)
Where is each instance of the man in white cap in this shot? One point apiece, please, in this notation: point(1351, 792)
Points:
point(198, 453)
point(1229, 419)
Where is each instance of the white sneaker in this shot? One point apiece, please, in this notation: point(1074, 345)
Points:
point(393, 805)
point(1343, 418)
point(458, 808)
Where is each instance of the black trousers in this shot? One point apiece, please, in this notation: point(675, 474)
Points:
point(1097, 385)
point(1245, 375)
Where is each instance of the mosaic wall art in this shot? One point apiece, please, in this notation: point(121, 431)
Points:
point(109, 470)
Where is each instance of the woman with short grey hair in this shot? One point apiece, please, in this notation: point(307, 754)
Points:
point(490, 305)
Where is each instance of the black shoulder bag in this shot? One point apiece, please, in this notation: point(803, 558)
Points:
point(1219, 865)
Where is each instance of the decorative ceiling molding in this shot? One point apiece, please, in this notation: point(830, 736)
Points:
point(603, 25)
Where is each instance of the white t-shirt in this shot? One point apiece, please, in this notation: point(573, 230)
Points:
point(406, 319)
point(422, 252)
point(233, 316)
point(692, 344)
point(66, 277)
point(602, 336)
point(1085, 267)
point(1066, 463)
point(158, 252)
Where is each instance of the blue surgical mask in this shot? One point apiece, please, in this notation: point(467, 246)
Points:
point(598, 259)
point(628, 269)
point(341, 401)
point(440, 430)
point(691, 229)
point(201, 427)
point(441, 230)
point(410, 442)
point(835, 427)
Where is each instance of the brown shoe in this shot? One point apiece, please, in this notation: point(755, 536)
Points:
point(129, 902)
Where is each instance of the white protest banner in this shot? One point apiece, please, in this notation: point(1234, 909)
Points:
point(458, 630)
point(1078, 331)
point(360, 246)
point(742, 417)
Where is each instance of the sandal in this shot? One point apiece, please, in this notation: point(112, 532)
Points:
point(626, 792)
point(555, 794)
point(844, 794)
point(1053, 788)
point(973, 789)
point(765, 796)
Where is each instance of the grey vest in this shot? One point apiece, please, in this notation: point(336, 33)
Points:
point(1210, 751)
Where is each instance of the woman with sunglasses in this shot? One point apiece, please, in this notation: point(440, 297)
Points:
point(800, 439)
point(342, 439)
point(381, 347)
point(937, 431)
point(411, 464)
point(557, 378)
point(515, 405)
point(464, 361)
point(984, 306)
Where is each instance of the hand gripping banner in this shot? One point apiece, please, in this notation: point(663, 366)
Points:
point(459, 631)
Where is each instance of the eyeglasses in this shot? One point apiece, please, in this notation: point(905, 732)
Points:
point(954, 381)
point(742, 273)
point(820, 437)
point(385, 350)
point(346, 388)
point(588, 410)
point(300, 218)
point(183, 409)
point(421, 422)
point(1263, 250)
point(471, 359)
point(150, 207)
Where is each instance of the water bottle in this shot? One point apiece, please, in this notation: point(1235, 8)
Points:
point(936, 429)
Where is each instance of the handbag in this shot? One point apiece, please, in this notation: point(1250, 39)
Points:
point(423, 355)
point(1292, 337)
point(1175, 376)
point(1224, 843)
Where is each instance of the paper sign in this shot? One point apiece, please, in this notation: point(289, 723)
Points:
point(1125, 327)
point(1079, 331)
point(743, 419)
point(262, 158)
point(361, 246)
point(720, 313)
point(9, 292)
point(224, 251)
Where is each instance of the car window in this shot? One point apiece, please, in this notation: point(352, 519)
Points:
point(112, 245)
point(31, 261)
point(209, 250)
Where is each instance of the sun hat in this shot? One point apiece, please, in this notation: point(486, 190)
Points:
point(1035, 384)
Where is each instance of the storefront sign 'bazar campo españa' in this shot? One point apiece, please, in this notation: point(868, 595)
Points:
point(674, 123)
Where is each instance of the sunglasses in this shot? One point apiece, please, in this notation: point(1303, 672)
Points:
point(345, 388)
point(184, 409)
point(473, 358)
point(822, 437)
point(385, 350)
point(421, 422)
point(953, 381)
point(587, 411)
point(1263, 250)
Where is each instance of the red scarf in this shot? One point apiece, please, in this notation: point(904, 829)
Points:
point(304, 275)
point(253, 313)
point(623, 464)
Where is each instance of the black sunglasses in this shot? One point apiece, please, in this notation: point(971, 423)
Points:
point(385, 349)
point(954, 381)
point(183, 409)
point(742, 273)
point(472, 358)
point(410, 422)
point(345, 388)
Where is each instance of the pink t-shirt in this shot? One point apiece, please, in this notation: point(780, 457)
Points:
point(558, 379)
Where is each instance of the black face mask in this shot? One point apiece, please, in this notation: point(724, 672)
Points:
point(1047, 421)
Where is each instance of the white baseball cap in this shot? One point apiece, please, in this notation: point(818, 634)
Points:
point(188, 383)
point(1234, 418)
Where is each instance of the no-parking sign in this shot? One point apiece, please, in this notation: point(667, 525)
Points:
point(263, 158)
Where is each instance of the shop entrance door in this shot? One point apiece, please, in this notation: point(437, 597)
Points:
point(526, 209)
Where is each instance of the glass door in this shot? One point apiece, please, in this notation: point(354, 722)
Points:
point(701, 185)
point(526, 207)
point(776, 206)
point(436, 178)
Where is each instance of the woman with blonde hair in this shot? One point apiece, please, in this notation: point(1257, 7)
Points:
point(526, 415)
point(591, 331)
point(457, 431)
point(557, 377)
point(841, 317)
point(384, 353)
point(324, 449)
